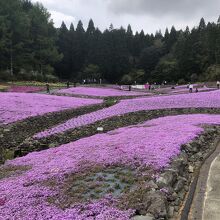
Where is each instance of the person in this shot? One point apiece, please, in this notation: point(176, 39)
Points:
point(218, 84)
point(197, 90)
point(190, 88)
point(146, 86)
point(48, 87)
point(68, 84)
point(149, 87)
point(129, 87)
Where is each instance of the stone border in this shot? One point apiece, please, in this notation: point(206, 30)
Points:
point(118, 98)
point(175, 180)
point(15, 133)
point(130, 119)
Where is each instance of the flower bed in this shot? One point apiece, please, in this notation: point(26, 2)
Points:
point(151, 144)
point(19, 106)
point(25, 89)
point(101, 92)
point(196, 100)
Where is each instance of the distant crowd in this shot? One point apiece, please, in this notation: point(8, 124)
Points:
point(146, 86)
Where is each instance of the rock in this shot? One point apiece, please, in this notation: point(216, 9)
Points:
point(191, 169)
point(143, 217)
point(181, 196)
point(167, 179)
point(52, 145)
point(186, 188)
point(170, 211)
point(179, 185)
point(157, 204)
point(152, 184)
point(179, 166)
point(200, 155)
point(173, 196)
point(176, 208)
point(100, 129)
point(177, 202)
point(191, 147)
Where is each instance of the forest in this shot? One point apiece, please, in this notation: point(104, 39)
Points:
point(32, 48)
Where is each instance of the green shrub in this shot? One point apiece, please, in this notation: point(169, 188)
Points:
point(51, 78)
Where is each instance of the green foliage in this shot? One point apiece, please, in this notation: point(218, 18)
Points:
point(31, 48)
point(91, 72)
point(27, 39)
point(126, 79)
point(51, 78)
point(212, 73)
point(5, 75)
point(136, 75)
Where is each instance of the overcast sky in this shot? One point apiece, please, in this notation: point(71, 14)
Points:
point(149, 15)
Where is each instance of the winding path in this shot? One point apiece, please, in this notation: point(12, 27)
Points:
point(211, 210)
point(206, 201)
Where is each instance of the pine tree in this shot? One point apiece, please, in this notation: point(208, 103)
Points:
point(91, 27)
point(202, 24)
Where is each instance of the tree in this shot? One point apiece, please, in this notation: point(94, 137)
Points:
point(202, 24)
point(63, 42)
point(91, 27)
point(91, 72)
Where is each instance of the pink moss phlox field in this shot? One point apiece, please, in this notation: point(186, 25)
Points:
point(102, 92)
point(25, 89)
point(153, 143)
point(18, 106)
point(195, 100)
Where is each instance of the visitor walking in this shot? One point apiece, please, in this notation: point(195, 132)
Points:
point(68, 84)
point(48, 88)
point(146, 86)
point(218, 84)
point(190, 88)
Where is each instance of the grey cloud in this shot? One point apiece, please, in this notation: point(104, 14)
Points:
point(179, 8)
point(150, 15)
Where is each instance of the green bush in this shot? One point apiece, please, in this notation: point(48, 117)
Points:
point(51, 78)
point(23, 75)
point(126, 79)
point(181, 82)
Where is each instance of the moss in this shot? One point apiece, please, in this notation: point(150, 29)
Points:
point(92, 184)
point(117, 186)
